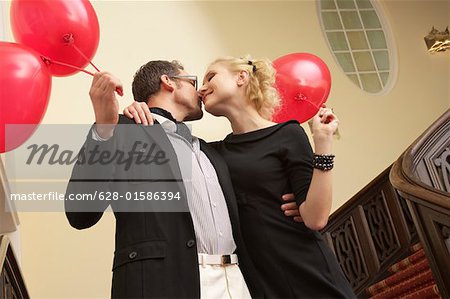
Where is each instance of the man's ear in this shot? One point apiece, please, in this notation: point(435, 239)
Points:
point(243, 78)
point(166, 83)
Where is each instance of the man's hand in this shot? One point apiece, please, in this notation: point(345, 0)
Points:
point(140, 112)
point(290, 208)
point(106, 106)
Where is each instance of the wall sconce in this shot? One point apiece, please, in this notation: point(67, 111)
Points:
point(437, 41)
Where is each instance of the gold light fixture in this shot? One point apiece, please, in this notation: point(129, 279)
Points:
point(437, 41)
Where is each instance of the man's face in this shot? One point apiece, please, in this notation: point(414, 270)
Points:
point(186, 95)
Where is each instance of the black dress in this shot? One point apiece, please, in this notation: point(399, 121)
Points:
point(292, 260)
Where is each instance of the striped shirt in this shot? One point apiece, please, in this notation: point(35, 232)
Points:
point(204, 194)
point(205, 197)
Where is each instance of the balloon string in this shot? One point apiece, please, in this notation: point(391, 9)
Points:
point(87, 59)
point(70, 40)
point(48, 61)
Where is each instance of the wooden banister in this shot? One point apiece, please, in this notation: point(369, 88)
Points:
point(407, 203)
point(12, 285)
point(421, 175)
point(370, 232)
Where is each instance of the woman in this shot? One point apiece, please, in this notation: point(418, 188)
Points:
point(267, 160)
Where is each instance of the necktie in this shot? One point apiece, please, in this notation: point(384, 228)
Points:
point(184, 131)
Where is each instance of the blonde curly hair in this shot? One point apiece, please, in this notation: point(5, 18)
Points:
point(260, 90)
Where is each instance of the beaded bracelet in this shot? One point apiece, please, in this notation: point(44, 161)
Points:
point(323, 162)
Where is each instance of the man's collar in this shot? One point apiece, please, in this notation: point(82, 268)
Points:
point(160, 111)
point(165, 119)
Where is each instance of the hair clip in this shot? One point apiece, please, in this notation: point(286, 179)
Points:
point(254, 66)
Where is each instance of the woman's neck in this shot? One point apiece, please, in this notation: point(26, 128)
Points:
point(247, 120)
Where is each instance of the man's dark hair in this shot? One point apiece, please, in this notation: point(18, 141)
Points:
point(147, 80)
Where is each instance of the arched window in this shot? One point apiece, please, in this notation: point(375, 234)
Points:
point(360, 42)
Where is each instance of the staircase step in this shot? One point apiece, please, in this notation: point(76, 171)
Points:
point(418, 281)
point(410, 260)
point(398, 277)
point(428, 292)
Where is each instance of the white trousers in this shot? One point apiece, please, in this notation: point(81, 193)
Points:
point(220, 282)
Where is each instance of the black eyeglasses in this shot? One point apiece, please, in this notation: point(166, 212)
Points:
point(190, 78)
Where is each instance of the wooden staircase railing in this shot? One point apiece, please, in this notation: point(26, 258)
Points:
point(370, 232)
point(421, 175)
point(404, 205)
point(12, 285)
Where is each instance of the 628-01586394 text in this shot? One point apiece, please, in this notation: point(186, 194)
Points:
point(142, 195)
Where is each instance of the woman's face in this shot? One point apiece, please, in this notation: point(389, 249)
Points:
point(220, 85)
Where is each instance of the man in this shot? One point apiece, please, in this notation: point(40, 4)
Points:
point(188, 253)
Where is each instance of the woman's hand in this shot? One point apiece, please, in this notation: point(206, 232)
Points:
point(140, 112)
point(323, 126)
point(325, 123)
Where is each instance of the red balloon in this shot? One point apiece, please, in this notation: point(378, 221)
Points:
point(25, 89)
point(56, 29)
point(303, 82)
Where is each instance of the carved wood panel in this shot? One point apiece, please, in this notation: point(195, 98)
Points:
point(381, 227)
point(348, 252)
point(442, 163)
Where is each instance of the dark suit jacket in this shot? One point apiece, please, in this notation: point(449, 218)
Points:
point(155, 252)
